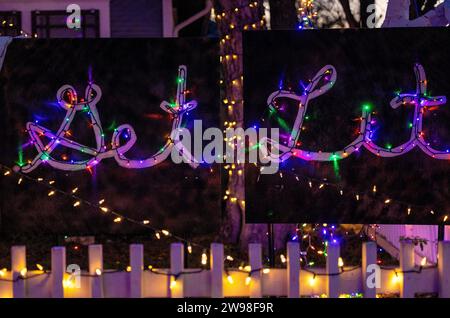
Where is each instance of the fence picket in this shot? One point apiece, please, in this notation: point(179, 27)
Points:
point(407, 264)
point(333, 253)
point(18, 263)
point(255, 259)
point(369, 257)
point(95, 252)
point(176, 288)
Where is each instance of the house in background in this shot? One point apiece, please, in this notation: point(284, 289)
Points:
point(103, 18)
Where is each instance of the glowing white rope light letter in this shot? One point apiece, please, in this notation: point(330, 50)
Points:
point(421, 102)
point(328, 74)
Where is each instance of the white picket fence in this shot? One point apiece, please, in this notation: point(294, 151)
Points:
point(333, 281)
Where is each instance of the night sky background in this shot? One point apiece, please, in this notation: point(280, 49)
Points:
point(135, 76)
point(371, 66)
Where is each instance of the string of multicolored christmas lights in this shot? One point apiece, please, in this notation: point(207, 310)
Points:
point(235, 10)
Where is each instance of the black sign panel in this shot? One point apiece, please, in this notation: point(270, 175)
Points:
point(364, 125)
point(97, 118)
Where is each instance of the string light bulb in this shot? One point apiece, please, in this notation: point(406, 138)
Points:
point(395, 278)
point(312, 281)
